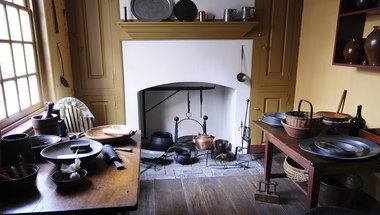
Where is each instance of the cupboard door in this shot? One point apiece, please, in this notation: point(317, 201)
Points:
point(266, 102)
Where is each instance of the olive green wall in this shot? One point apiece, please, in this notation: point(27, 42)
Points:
point(322, 83)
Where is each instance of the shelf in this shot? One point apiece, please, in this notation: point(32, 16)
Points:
point(350, 24)
point(138, 30)
point(370, 11)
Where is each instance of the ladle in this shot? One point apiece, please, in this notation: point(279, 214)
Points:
point(241, 76)
point(63, 80)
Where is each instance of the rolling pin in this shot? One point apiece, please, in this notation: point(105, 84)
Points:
point(110, 155)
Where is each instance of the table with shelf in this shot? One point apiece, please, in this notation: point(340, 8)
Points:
point(317, 166)
point(105, 190)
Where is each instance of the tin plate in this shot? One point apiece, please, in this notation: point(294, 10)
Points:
point(367, 148)
point(152, 10)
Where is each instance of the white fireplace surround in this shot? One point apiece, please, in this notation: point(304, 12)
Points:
point(188, 62)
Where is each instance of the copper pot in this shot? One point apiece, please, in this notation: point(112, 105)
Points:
point(203, 141)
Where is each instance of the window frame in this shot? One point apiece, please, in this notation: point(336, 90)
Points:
point(24, 115)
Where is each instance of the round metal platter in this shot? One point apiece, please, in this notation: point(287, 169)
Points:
point(273, 118)
point(369, 148)
point(152, 10)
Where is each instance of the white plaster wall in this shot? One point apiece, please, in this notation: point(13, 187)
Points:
point(209, 6)
point(153, 63)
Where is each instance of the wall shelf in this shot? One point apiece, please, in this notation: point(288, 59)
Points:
point(350, 25)
point(138, 30)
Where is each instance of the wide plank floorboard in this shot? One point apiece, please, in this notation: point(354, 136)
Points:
point(216, 195)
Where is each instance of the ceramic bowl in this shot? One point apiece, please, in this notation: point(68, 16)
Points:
point(301, 132)
point(63, 179)
point(25, 182)
point(61, 153)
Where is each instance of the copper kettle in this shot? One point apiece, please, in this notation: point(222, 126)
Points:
point(203, 141)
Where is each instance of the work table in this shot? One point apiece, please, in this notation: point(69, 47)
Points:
point(105, 189)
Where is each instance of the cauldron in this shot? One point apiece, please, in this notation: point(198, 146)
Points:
point(161, 140)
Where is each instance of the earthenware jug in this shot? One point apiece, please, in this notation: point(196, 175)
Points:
point(353, 51)
point(372, 47)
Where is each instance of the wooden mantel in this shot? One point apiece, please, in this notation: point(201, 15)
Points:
point(138, 30)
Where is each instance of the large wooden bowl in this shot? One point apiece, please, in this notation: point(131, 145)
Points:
point(301, 132)
point(98, 135)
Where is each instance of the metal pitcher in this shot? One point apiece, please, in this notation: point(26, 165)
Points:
point(248, 13)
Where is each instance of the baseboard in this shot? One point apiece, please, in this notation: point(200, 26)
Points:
point(253, 149)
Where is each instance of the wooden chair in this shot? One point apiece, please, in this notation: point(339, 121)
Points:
point(76, 115)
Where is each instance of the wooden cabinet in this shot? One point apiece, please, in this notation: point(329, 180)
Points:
point(351, 21)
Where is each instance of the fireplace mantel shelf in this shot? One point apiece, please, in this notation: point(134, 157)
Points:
point(138, 30)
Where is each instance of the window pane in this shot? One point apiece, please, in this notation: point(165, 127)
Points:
point(3, 24)
point(30, 60)
point(6, 62)
point(11, 97)
point(33, 84)
point(25, 25)
point(14, 23)
point(2, 107)
point(23, 91)
point(19, 2)
point(18, 57)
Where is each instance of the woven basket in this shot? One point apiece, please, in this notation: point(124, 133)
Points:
point(301, 119)
point(294, 171)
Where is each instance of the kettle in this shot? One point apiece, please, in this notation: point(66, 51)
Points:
point(203, 141)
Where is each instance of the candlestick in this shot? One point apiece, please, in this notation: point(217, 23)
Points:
point(125, 14)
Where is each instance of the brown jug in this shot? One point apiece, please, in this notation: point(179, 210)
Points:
point(372, 47)
point(353, 51)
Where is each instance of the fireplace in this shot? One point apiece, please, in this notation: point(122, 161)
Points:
point(190, 65)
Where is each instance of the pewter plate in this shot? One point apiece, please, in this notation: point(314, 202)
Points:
point(369, 148)
point(273, 118)
point(152, 10)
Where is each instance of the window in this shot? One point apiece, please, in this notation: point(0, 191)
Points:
point(19, 74)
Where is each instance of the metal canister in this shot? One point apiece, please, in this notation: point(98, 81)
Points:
point(228, 14)
point(202, 16)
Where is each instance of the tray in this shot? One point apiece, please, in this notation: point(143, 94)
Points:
point(369, 148)
point(152, 10)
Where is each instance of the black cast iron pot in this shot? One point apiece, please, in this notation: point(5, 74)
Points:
point(182, 155)
point(161, 140)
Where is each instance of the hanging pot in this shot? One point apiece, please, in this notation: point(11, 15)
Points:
point(161, 140)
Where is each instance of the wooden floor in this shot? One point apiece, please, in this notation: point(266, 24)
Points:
point(215, 195)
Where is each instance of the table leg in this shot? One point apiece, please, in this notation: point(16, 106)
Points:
point(268, 159)
point(313, 189)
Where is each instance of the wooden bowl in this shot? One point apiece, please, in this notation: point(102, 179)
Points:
point(98, 135)
point(23, 183)
point(40, 142)
point(301, 133)
point(61, 153)
point(63, 179)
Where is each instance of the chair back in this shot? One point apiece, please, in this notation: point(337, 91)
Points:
point(76, 115)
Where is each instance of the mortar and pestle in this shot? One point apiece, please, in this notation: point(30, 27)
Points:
point(46, 123)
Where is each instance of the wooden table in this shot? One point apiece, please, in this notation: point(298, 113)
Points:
point(105, 189)
point(317, 166)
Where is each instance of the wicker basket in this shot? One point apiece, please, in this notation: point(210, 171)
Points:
point(303, 119)
point(294, 171)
